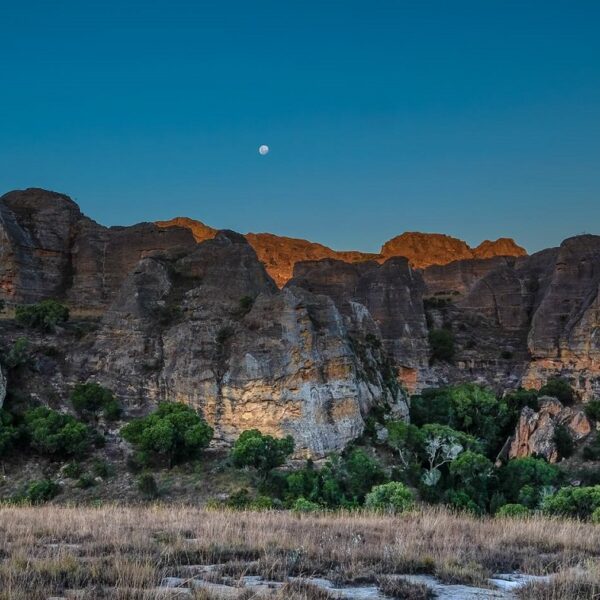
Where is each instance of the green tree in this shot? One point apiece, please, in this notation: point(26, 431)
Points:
point(261, 452)
point(362, 472)
point(573, 502)
point(471, 473)
point(563, 439)
point(89, 398)
point(173, 433)
point(57, 434)
point(431, 406)
point(559, 388)
point(9, 434)
point(392, 497)
point(535, 474)
point(42, 491)
point(441, 342)
point(45, 315)
point(592, 410)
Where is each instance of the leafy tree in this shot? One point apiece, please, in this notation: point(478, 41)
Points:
point(471, 474)
point(559, 388)
point(477, 411)
point(57, 434)
point(592, 410)
point(592, 451)
point(431, 406)
point(18, 355)
point(9, 434)
point(89, 398)
point(45, 315)
point(42, 491)
point(441, 342)
point(564, 441)
point(392, 497)
point(261, 452)
point(362, 473)
point(516, 401)
point(461, 501)
point(573, 502)
point(513, 510)
point(523, 480)
point(174, 432)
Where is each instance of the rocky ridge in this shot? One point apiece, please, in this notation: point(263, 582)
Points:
point(205, 323)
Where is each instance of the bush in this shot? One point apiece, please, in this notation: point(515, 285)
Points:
point(86, 481)
point(89, 398)
point(516, 401)
point(173, 433)
point(303, 505)
point(9, 434)
point(56, 434)
point(592, 451)
point(261, 452)
point(573, 502)
point(563, 439)
point(442, 344)
point(18, 355)
point(147, 485)
point(102, 468)
point(513, 510)
point(393, 497)
point(72, 470)
point(42, 491)
point(523, 480)
point(44, 316)
point(596, 516)
point(559, 388)
point(592, 410)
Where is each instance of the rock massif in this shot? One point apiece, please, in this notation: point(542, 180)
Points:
point(218, 320)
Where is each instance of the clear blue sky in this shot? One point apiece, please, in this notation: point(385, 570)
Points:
point(477, 119)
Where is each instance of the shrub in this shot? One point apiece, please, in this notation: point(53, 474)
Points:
point(392, 497)
point(596, 516)
point(563, 439)
point(523, 479)
point(42, 491)
point(86, 481)
point(592, 410)
point(261, 452)
point(303, 505)
point(56, 434)
point(516, 401)
point(9, 434)
point(89, 398)
point(44, 316)
point(431, 406)
point(147, 485)
point(102, 468)
point(442, 344)
point(559, 388)
point(18, 355)
point(72, 470)
point(592, 451)
point(573, 502)
point(173, 433)
point(513, 510)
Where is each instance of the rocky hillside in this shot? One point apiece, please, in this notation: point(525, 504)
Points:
point(280, 254)
point(179, 311)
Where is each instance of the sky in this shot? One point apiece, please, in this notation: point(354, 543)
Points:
point(478, 119)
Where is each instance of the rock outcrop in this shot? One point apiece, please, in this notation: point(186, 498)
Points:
point(48, 249)
point(179, 330)
point(535, 432)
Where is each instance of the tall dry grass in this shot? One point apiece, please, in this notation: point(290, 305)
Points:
point(124, 552)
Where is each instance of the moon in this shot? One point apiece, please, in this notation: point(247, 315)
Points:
point(263, 149)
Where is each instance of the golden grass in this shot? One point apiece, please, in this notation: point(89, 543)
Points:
point(126, 551)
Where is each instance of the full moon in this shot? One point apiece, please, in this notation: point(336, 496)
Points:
point(263, 149)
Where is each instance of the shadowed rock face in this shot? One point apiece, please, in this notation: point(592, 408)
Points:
point(285, 365)
point(48, 249)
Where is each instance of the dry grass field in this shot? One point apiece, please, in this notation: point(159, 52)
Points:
point(125, 552)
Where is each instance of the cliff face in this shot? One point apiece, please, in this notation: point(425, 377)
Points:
point(180, 331)
point(205, 323)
